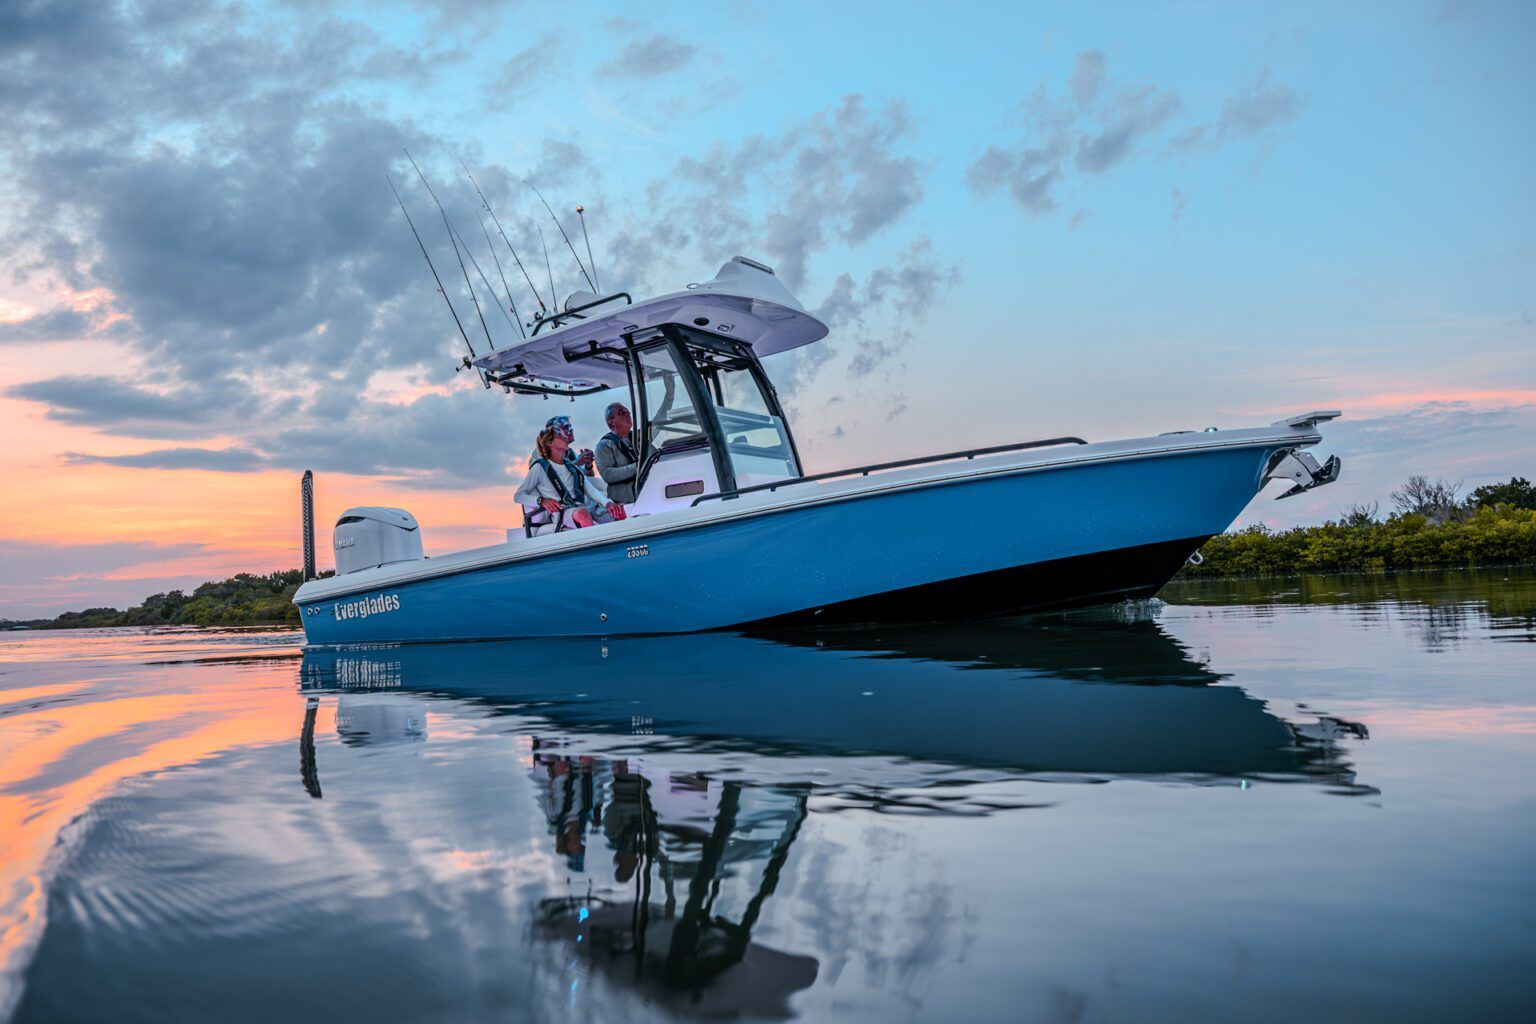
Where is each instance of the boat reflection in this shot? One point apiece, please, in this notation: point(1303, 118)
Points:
point(694, 859)
point(1090, 695)
point(691, 762)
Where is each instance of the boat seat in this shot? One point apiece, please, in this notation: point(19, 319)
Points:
point(537, 521)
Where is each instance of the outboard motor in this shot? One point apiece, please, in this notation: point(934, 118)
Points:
point(371, 536)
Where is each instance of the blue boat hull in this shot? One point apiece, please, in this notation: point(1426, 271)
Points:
point(992, 545)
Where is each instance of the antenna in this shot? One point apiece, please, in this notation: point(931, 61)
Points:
point(455, 244)
point(581, 214)
point(440, 289)
point(504, 238)
point(563, 235)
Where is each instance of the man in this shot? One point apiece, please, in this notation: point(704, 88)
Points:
point(616, 461)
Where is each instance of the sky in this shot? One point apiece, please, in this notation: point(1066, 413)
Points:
point(1019, 220)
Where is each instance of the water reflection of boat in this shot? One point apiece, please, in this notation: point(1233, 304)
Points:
point(697, 858)
point(364, 722)
point(1064, 696)
point(697, 837)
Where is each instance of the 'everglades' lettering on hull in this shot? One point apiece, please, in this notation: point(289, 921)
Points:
point(366, 607)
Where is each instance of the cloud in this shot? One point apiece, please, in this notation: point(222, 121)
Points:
point(127, 408)
point(1098, 124)
point(1423, 424)
point(199, 165)
point(841, 175)
point(650, 57)
point(559, 162)
point(516, 76)
point(209, 170)
point(470, 438)
point(909, 288)
point(1088, 77)
point(224, 460)
point(219, 172)
point(1259, 107)
point(58, 324)
point(1135, 114)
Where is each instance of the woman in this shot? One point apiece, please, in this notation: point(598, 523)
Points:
point(556, 482)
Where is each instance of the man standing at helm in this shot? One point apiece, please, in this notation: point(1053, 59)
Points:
point(617, 462)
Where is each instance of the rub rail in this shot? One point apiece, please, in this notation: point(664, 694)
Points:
point(877, 467)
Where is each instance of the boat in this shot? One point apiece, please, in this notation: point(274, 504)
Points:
point(728, 530)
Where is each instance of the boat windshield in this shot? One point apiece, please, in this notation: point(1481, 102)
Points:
point(672, 418)
point(755, 438)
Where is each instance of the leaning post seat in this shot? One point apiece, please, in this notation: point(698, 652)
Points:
point(537, 521)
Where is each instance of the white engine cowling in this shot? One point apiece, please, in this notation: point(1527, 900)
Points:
point(371, 536)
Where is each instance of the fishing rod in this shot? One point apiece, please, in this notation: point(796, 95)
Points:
point(582, 216)
point(504, 238)
point(440, 290)
point(563, 235)
point(547, 266)
point(483, 279)
point(472, 297)
point(503, 275)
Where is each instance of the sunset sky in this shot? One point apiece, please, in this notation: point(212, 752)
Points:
point(1019, 220)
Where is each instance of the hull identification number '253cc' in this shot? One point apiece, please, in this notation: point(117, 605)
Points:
point(726, 529)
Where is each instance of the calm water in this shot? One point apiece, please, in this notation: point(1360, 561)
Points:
point(1266, 801)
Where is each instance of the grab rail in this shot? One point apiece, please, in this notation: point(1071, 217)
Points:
point(877, 467)
point(553, 320)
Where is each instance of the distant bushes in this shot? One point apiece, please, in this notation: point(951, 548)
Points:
point(1496, 525)
point(244, 600)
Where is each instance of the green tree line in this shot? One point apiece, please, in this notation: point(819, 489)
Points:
point(247, 599)
point(1430, 526)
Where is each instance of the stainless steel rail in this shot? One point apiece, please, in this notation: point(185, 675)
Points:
point(877, 467)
